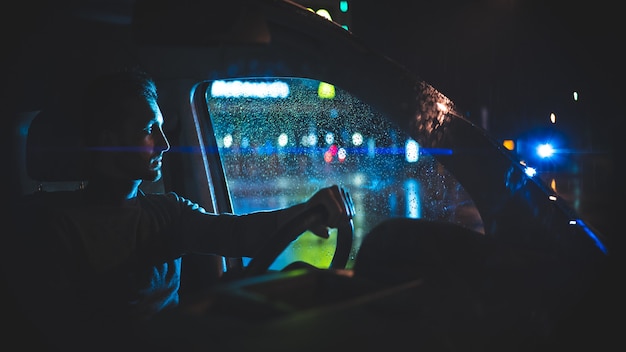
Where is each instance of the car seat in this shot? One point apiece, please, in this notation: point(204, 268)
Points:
point(53, 151)
point(53, 170)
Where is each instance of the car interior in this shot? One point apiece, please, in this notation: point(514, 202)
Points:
point(451, 244)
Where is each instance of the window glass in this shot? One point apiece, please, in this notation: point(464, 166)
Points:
point(281, 140)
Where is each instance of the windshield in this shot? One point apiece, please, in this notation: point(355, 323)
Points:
point(280, 140)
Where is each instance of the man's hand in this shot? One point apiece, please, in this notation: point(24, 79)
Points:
point(339, 207)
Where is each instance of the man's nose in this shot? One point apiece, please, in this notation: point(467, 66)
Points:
point(163, 143)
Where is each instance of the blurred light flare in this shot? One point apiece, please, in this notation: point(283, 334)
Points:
point(357, 139)
point(342, 154)
point(328, 156)
point(411, 152)
point(442, 107)
point(530, 171)
point(545, 150)
point(312, 139)
point(371, 147)
point(413, 205)
point(283, 139)
point(329, 138)
point(343, 6)
point(359, 179)
point(239, 89)
point(325, 91)
point(227, 141)
point(324, 13)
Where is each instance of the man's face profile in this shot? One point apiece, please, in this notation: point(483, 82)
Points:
point(134, 150)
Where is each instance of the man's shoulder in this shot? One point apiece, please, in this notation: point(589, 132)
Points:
point(171, 198)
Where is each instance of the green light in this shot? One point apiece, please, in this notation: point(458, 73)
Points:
point(326, 91)
point(343, 6)
point(345, 26)
point(309, 248)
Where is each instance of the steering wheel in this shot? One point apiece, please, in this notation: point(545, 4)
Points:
point(291, 231)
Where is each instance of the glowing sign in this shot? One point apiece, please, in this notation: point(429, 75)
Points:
point(239, 89)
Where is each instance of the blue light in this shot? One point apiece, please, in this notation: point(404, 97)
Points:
point(343, 6)
point(545, 150)
point(411, 151)
point(530, 171)
point(592, 235)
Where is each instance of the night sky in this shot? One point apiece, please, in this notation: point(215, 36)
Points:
point(517, 60)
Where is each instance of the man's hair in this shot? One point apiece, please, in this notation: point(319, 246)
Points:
point(106, 97)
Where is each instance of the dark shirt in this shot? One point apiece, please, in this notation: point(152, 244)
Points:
point(91, 267)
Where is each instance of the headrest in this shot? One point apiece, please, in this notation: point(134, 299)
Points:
point(54, 148)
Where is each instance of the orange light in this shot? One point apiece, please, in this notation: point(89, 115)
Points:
point(328, 156)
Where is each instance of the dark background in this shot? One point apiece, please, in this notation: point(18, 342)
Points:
point(518, 60)
point(513, 61)
point(508, 64)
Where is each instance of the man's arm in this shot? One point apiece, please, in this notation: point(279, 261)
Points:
point(242, 235)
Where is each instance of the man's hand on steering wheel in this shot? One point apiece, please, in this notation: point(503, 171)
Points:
point(330, 207)
point(338, 207)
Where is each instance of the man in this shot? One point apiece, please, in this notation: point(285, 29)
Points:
point(111, 255)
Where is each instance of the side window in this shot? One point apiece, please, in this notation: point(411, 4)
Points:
point(281, 140)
